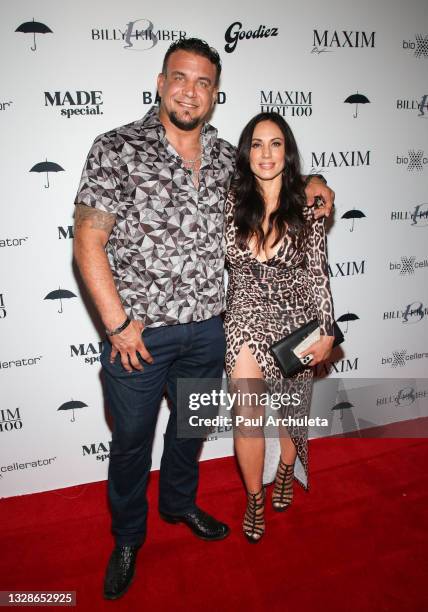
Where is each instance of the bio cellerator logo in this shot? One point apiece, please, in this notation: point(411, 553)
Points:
point(235, 33)
point(415, 160)
point(12, 242)
point(76, 103)
point(408, 265)
point(326, 41)
point(400, 358)
point(5, 105)
point(419, 47)
point(288, 103)
point(19, 363)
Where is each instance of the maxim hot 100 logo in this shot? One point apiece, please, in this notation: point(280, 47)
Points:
point(288, 103)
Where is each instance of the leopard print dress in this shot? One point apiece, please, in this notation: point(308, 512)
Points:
point(268, 300)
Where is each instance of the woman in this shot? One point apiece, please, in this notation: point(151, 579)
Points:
point(278, 281)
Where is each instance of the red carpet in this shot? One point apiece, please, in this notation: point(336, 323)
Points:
point(357, 541)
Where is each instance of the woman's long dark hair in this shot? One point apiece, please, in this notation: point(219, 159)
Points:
point(249, 207)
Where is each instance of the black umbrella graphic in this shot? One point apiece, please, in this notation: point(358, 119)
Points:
point(350, 316)
point(353, 214)
point(59, 294)
point(33, 27)
point(47, 167)
point(357, 99)
point(73, 405)
point(342, 406)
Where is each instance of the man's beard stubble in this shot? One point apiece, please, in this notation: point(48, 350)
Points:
point(186, 126)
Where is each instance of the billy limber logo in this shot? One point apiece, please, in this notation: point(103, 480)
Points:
point(137, 35)
point(415, 217)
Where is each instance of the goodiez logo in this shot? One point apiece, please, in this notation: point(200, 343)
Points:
point(412, 313)
point(60, 294)
point(400, 358)
point(91, 351)
point(154, 98)
point(408, 265)
point(326, 41)
point(405, 397)
point(234, 33)
point(33, 27)
point(12, 242)
point(417, 217)
point(347, 268)
point(76, 103)
point(3, 311)
point(10, 420)
point(415, 160)
point(356, 99)
point(420, 47)
point(72, 405)
point(420, 105)
point(47, 167)
point(138, 35)
point(353, 214)
point(287, 103)
point(345, 159)
point(99, 450)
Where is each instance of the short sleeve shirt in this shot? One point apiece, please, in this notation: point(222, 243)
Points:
point(166, 249)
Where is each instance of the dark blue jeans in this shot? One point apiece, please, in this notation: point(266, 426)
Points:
point(191, 350)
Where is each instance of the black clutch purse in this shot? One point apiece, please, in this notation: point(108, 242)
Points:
point(284, 351)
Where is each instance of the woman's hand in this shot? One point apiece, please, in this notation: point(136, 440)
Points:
point(319, 350)
point(316, 188)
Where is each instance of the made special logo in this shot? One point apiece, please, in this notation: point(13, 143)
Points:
point(3, 311)
point(327, 41)
point(65, 232)
point(340, 159)
point(288, 103)
point(415, 160)
point(71, 406)
point(336, 367)
point(404, 397)
point(412, 313)
point(408, 265)
point(99, 450)
point(60, 294)
point(150, 97)
point(76, 103)
point(138, 35)
point(5, 105)
point(19, 363)
point(352, 215)
point(33, 27)
point(419, 47)
point(347, 268)
point(356, 99)
point(91, 351)
point(15, 466)
point(420, 105)
point(46, 166)
point(401, 358)
point(416, 217)
point(10, 420)
point(235, 32)
point(12, 242)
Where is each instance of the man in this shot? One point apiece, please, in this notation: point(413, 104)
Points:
point(148, 243)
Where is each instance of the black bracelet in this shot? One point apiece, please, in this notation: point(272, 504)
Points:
point(119, 329)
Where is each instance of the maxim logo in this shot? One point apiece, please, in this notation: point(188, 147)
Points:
point(405, 397)
point(3, 311)
point(412, 313)
point(12, 242)
point(347, 268)
point(154, 98)
point(138, 35)
point(234, 33)
point(65, 232)
point(420, 47)
point(420, 105)
point(100, 450)
point(408, 265)
point(418, 216)
point(19, 363)
point(337, 367)
point(327, 41)
point(400, 358)
point(286, 103)
point(10, 420)
point(341, 159)
point(415, 160)
point(91, 352)
point(76, 103)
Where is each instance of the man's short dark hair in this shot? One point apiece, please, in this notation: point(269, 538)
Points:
point(197, 46)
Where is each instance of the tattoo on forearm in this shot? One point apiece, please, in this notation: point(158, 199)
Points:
point(93, 218)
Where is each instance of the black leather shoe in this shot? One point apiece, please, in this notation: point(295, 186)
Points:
point(200, 523)
point(120, 571)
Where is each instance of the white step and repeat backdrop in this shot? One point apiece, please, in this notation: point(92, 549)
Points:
point(350, 77)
